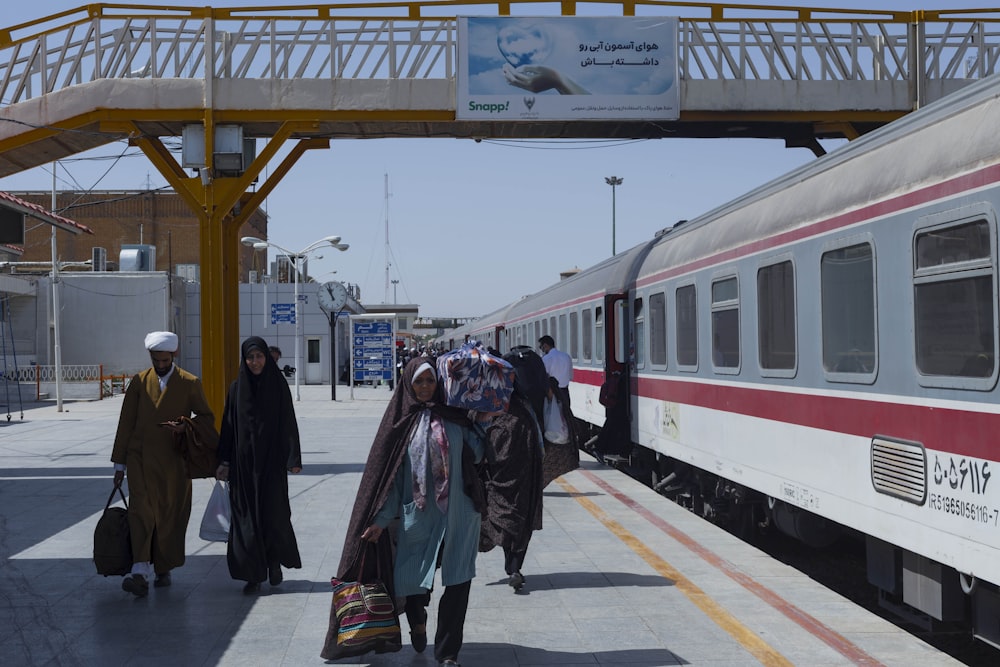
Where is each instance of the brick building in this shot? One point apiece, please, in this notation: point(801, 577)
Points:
point(127, 218)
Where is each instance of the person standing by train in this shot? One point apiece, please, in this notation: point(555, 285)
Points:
point(558, 364)
point(560, 456)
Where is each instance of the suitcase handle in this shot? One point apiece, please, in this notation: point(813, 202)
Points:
point(112, 497)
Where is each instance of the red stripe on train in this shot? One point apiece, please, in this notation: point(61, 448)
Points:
point(954, 186)
point(961, 432)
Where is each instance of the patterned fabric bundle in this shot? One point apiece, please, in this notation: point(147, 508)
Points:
point(475, 379)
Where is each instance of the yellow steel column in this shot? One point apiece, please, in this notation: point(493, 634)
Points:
point(231, 299)
point(215, 344)
point(213, 201)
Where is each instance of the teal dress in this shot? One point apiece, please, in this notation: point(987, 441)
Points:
point(422, 532)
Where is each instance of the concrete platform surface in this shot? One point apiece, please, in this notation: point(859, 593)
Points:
point(618, 575)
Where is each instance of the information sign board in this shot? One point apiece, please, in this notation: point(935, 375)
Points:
point(282, 312)
point(373, 351)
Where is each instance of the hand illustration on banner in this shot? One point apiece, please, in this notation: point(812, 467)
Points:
point(538, 78)
point(525, 48)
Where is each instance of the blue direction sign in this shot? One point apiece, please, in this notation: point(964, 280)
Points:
point(282, 312)
point(374, 348)
point(372, 328)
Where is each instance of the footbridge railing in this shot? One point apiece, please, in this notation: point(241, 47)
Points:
point(416, 40)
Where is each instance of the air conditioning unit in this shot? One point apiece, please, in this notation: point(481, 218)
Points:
point(98, 259)
point(137, 257)
point(188, 272)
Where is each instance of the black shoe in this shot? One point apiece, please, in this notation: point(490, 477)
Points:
point(274, 575)
point(516, 581)
point(251, 587)
point(450, 663)
point(162, 580)
point(419, 639)
point(135, 584)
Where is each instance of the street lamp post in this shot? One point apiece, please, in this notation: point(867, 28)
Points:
point(614, 182)
point(394, 283)
point(258, 244)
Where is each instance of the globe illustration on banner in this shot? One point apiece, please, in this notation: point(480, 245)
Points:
point(524, 45)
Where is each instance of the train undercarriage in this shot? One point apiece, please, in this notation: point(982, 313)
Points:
point(925, 594)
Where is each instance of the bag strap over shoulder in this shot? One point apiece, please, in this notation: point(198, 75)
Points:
point(111, 498)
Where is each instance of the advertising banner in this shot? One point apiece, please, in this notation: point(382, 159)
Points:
point(567, 68)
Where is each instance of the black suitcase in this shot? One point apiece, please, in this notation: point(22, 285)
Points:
point(112, 541)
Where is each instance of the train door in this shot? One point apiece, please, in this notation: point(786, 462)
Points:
point(615, 437)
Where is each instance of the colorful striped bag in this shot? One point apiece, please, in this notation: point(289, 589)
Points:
point(363, 619)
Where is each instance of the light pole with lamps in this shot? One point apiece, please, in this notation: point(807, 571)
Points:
point(394, 283)
point(259, 244)
point(614, 182)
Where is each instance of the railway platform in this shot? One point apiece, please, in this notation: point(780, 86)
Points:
point(618, 575)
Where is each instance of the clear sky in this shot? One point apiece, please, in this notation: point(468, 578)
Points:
point(473, 226)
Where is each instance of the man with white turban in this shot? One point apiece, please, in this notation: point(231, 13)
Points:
point(145, 448)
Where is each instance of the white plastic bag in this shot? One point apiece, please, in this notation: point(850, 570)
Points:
point(556, 430)
point(215, 522)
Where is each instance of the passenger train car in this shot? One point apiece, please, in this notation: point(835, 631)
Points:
point(818, 355)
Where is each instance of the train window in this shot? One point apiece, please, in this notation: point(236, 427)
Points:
point(620, 320)
point(847, 292)
point(686, 320)
point(726, 324)
point(776, 316)
point(587, 329)
point(953, 245)
point(599, 334)
point(562, 337)
point(953, 301)
point(538, 332)
point(574, 333)
point(639, 343)
point(552, 329)
point(658, 329)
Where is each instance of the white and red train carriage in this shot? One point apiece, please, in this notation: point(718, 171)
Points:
point(819, 353)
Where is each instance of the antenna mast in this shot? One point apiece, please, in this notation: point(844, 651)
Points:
point(386, 298)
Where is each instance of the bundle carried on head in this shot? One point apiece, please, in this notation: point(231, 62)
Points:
point(473, 378)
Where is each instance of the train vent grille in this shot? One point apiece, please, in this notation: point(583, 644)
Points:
point(899, 469)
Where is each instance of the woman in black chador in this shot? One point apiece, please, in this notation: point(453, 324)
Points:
point(258, 447)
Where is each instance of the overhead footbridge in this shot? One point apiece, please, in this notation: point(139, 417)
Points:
point(305, 75)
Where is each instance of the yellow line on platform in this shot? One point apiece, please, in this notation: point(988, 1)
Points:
point(746, 637)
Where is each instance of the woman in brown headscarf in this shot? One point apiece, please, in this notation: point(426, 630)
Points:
point(417, 470)
point(258, 447)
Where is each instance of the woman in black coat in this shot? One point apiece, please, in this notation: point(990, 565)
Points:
point(258, 447)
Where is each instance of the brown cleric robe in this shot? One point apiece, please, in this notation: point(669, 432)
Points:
point(158, 485)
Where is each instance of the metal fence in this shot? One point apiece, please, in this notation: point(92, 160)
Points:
point(78, 380)
point(355, 42)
